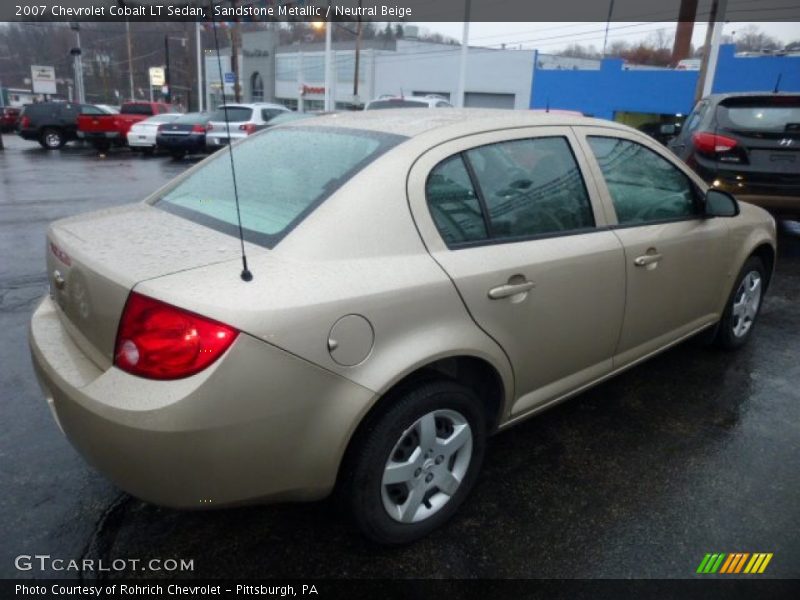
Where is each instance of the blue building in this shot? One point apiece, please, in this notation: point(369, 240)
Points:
point(640, 95)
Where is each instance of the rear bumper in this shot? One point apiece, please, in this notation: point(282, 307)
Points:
point(141, 141)
point(102, 135)
point(188, 143)
point(258, 425)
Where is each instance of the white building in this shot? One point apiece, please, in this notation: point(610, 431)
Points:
point(495, 78)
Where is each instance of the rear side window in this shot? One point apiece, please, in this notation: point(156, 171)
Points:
point(88, 109)
point(644, 186)
point(236, 114)
point(269, 113)
point(453, 202)
point(277, 190)
point(531, 187)
point(514, 190)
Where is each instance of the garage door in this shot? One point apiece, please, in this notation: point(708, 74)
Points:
point(482, 100)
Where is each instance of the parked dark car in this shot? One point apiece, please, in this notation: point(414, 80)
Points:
point(747, 144)
point(185, 135)
point(8, 118)
point(53, 124)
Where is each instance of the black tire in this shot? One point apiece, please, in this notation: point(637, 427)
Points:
point(102, 146)
point(362, 489)
point(52, 138)
point(727, 336)
point(177, 154)
point(148, 151)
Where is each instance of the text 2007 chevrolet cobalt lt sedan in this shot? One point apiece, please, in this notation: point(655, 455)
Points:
point(421, 279)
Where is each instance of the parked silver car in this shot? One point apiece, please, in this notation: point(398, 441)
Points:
point(420, 280)
point(243, 120)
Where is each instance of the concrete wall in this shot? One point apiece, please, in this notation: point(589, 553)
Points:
point(603, 92)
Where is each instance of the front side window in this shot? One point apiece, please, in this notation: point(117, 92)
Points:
point(531, 187)
point(276, 188)
point(644, 186)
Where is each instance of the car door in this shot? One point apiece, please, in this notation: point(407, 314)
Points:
point(675, 258)
point(510, 218)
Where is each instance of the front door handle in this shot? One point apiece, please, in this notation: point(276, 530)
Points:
point(510, 289)
point(646, 259)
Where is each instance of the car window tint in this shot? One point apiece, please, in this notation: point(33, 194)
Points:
point(694, 119)
point(275, 189)
point(531, 187)
point(88, 109)
point(644, 187)
point(453, 203)
point(268, 113)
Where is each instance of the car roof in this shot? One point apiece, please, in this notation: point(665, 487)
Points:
point(411, 122)
point(719, 97)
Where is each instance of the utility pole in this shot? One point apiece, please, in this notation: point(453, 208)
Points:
point(357, 54)
point(708, 65)
point(130, 59)
point(462, 69)
point(608, 23)
point(234, 56)
point(683, 34)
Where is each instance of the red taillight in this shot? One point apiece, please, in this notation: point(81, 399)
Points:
point(25, 122)
point(198, 129)
point(248, 128)
point(711, 143)
point(160, 341)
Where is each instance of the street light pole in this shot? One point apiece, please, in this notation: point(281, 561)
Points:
point(199, 46)
point(328, 61)
point(167, 82)
point(462, 69)
point(80, 95)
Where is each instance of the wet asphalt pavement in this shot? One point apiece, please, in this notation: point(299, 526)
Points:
point(695, 451)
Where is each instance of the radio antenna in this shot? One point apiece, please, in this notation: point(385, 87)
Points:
point(246, 275)
point(777, 84)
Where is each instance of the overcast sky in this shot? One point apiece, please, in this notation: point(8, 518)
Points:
point(551, 37)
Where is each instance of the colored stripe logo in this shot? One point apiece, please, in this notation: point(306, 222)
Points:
point(735, 562)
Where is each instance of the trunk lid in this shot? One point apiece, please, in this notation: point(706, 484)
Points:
point(93, 262)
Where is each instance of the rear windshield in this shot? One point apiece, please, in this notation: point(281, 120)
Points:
point(277, 189)
point(235, 114)
point(192, 119)
point(771, 114)
point(136, 109)
point(377, 104)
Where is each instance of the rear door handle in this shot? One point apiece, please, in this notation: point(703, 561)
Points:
point(646, 259)
point(510, 289)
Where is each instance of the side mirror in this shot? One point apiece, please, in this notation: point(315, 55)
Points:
point(720, 204)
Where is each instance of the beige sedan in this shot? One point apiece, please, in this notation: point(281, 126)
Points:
point(420, 280)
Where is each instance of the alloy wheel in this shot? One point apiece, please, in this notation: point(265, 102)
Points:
point(745, 303)
point(426, 466)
